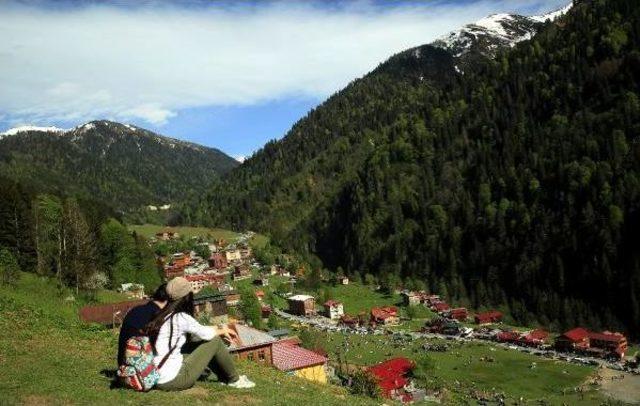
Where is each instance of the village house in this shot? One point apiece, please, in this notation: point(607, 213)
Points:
point(534, 338)
point(333, 309)
point(198, 282)
point(260, 295)
point(597, 344)
point(110, 314)
point(302, 305)
point(232, 296)
point(614, 344)
point(167, 235)
point(289, 357)
point(233, 255)
point(241, 272)
point(133, 290)
point(574, 339)
point(349, 321)
point(342, 280)
point(489, 317)
point(393, 378)
point(410, 298)
point(428, 299)
point(458, 313)
point(218, 260)
point(181, 259)
point(245, 252)
point(172, 271)
point(213, 305)
point(440, 307)
point(282, 271)
point(252, 344)
point(387, 316)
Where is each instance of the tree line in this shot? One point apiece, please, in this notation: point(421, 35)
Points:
point(514, 185)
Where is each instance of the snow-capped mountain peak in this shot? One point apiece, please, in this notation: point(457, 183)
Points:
point(494, 32)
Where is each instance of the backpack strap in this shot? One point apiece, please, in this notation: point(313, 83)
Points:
point(164, 359)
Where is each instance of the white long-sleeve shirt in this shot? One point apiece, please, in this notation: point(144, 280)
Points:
point(183, 324)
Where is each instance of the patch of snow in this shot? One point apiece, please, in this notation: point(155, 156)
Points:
point(240, 158)
point(416, 53)
point(554, 14)
point(129, 126)
point(27, 128)
point(502, 29)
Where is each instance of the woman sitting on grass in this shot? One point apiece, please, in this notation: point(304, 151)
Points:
point(187, 361)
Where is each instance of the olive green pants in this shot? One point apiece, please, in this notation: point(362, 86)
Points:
point(197, 357)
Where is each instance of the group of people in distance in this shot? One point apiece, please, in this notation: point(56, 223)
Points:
point(184, 349)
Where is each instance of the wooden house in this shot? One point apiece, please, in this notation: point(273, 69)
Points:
point(489, 317)
point(214, 306)
point(458, 313)
point(241, 272)
point(410, 298)
point(218, 260)
point(302, 305)
point(198, 282)
point(252, 344)
point(387, 315)
point(574, 339)
point(110, 314)
point(290, 357)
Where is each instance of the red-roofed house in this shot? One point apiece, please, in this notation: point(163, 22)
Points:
point(490, 317)
point(459, 313)
point(289, 357)
point(392, 377)
point(574, 339)
point(613, 343)
point(110, 314)
point(200, 281)
point(440, 307)
point(534, 338)
point(218, 260)
point(387, 315)
point(333, 309)
point(260, 295)
point(508, 336)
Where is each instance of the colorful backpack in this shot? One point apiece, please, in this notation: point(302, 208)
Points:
point(139, 372)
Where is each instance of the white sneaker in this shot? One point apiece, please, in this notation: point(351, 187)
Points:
point(242, 383)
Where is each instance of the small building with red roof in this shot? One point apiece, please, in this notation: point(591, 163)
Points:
point(333, 309)
point(289, 357)
point(440, 307)
point(387, 315)
point(489, 317)
point(534, 338)
point(459, 313)
point(392, 377)
point(574, 339)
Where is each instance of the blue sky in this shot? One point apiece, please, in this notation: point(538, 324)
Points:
point(230, 75)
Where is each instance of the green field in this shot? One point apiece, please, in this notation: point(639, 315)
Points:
point(150, 230)
point(474, 366)
point(49, 357)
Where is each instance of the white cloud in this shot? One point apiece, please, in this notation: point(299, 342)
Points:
point(105, 61)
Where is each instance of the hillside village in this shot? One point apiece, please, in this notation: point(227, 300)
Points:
point(295, 325)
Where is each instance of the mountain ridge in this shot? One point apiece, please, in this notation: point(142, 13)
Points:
point(127, 166)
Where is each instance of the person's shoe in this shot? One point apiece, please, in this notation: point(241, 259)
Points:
point(242, 383)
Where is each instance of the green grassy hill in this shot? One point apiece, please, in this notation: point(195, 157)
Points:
point(49, 357)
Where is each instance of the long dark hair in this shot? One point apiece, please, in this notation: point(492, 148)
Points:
point(182, 305)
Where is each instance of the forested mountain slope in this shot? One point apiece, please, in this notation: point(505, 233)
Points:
point(118, 164)
point(515, 183)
